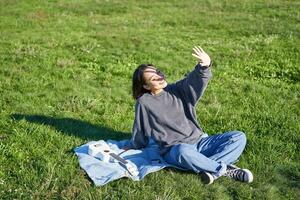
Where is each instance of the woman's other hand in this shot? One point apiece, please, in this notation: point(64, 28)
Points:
point(201, 56)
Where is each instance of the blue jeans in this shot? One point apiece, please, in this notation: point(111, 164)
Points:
point(212, 153)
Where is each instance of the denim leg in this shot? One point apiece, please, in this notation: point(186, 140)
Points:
point(188, 157)
point(226, 147)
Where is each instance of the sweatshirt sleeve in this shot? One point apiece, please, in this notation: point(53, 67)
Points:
point(139, 136)
point(194, 84)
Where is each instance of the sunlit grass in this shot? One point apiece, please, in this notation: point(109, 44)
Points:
point(65, 79)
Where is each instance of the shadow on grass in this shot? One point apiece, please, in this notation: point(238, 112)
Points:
point(289, 175)
point(69, 126)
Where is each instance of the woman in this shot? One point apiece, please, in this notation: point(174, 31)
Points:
point(166, 113)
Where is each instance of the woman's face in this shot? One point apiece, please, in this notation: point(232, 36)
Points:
point(155, 80)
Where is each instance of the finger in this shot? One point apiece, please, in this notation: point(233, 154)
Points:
point(200, 49)
point(196, 56)
point(196, 50)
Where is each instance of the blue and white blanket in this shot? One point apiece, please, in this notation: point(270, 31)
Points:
point(147, 160)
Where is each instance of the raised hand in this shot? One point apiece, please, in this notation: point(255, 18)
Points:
point(201, 56)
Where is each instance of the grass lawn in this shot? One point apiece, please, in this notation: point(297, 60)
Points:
point(65, 79)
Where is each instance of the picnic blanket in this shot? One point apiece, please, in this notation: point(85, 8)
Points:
point(147, 160)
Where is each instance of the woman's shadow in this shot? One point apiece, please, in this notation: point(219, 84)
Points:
point(69, 126)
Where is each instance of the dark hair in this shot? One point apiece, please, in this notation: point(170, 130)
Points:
point(138, 81)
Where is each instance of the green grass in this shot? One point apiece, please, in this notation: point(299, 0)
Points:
point(65, 79)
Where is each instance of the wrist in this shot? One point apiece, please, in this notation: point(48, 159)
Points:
point(206, 65)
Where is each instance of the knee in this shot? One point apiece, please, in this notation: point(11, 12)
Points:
point(239, 137)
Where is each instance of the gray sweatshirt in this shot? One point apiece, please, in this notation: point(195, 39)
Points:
point(169, 117)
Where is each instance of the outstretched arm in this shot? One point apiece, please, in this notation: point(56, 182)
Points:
point(194, 84)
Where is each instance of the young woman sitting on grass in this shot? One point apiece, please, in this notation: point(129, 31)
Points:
point(166, 113)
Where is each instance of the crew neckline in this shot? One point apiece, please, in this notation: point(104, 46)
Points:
point(159, 94)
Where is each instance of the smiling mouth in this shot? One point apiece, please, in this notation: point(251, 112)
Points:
point(162, 82)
